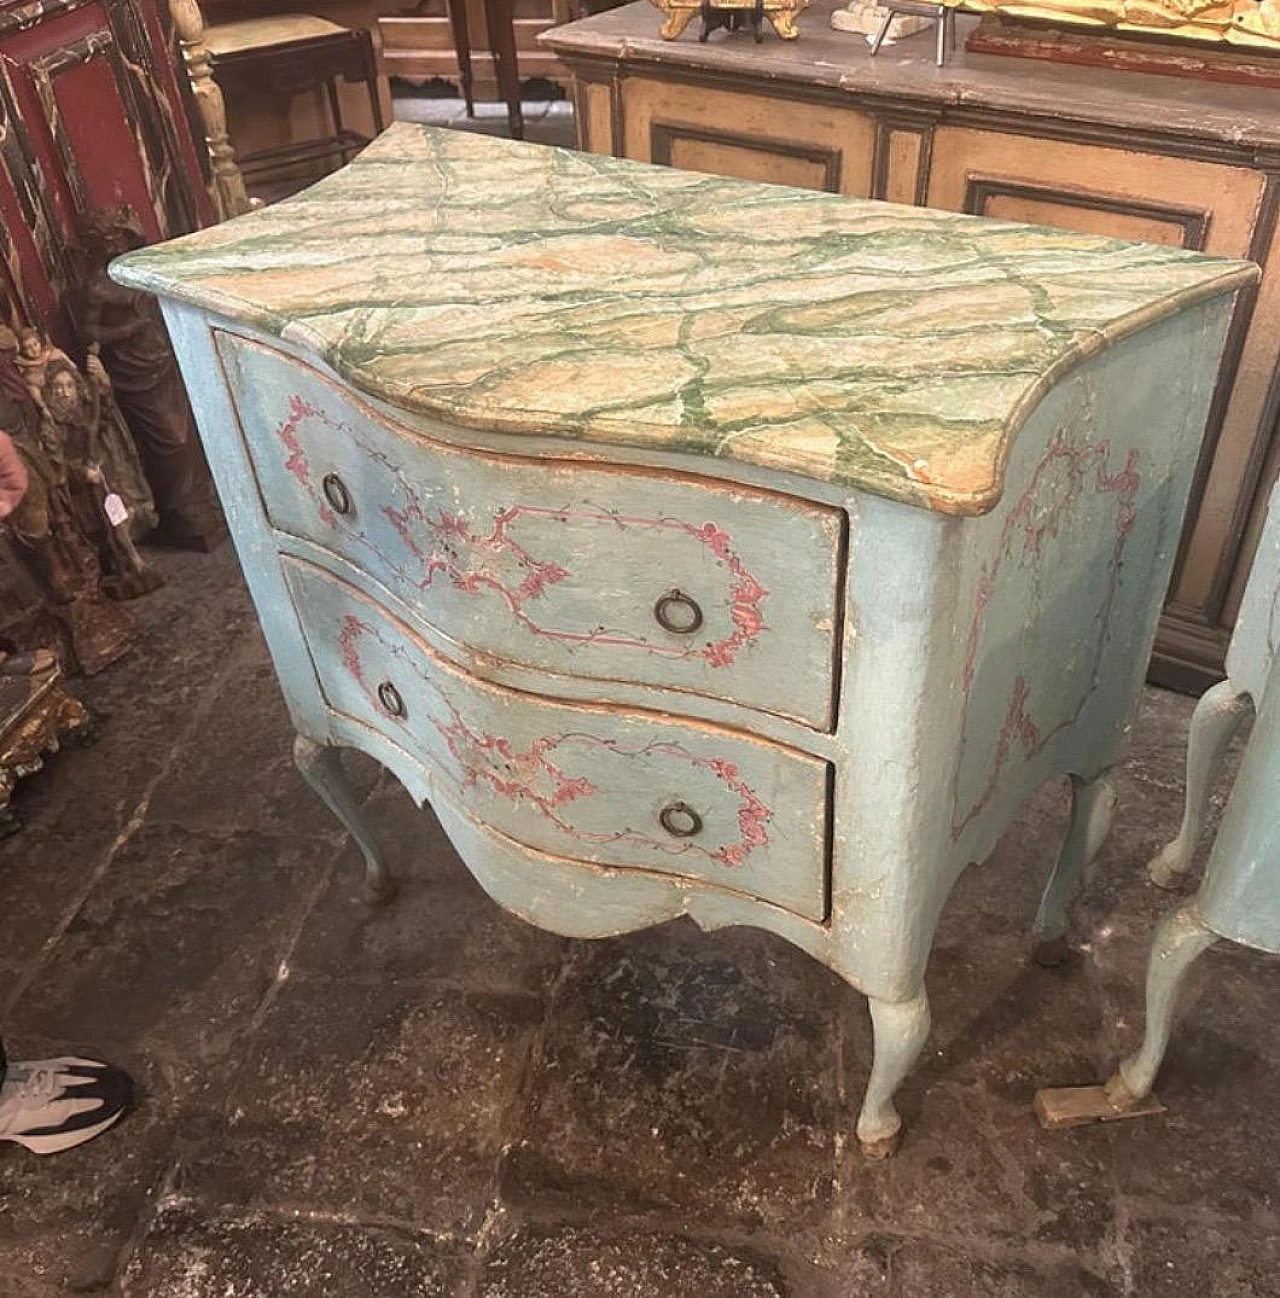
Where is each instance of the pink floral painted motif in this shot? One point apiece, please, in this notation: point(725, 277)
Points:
point(445, 546)
point(296, 461)
point(473, 563)
point(528, 776)
point(531, 777)
point(349, 648)
point(1036, 519)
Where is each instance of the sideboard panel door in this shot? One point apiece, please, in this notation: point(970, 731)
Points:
point(816, 146)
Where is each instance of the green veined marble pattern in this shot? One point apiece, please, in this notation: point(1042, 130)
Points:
point(539, 290)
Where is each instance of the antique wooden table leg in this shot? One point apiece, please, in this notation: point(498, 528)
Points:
point(1216, 719)
point(321, 766)
point(900, 1028)
point(1093, 804)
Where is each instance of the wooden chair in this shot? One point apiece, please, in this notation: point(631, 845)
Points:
point(499, 17)
point(294, 53)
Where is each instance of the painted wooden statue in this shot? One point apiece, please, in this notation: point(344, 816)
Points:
point(47, 522)
point(700, 547)
point(128, 340)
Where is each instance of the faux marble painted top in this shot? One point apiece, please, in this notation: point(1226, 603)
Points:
point(543, 291)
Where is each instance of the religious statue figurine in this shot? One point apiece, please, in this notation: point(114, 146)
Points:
point(129, 339)
point(109, 444)
point(104, 492)
point(46, 528)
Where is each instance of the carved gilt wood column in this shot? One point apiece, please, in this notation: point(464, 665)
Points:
point(229, 190)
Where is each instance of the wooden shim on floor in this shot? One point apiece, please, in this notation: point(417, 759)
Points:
point(1073, 1106)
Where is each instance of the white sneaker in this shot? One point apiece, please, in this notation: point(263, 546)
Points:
point(50, 1105)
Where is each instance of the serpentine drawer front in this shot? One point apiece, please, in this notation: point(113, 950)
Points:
point(699, 547)
point(628, 790)
point(600, 573)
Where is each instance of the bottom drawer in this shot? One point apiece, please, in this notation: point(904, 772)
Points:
point(597, 784)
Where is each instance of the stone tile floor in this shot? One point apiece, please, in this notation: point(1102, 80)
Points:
point(433, 1099)
point(546, 121)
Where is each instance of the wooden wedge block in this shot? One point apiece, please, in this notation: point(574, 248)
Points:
point(1073, 1106)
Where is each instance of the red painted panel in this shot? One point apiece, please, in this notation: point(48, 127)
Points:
point(26, 281)
point(55, 32)
point(107, 78)
point(96, 122)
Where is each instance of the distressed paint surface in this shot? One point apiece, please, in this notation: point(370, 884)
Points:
point(1075, 493)
point(1058, 589)
point(555, 565)
point(964, 659)
point(581, 783)
point(540, 291)
point(1240, 896)
point(1255, 642)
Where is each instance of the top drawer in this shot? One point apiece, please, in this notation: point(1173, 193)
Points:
point(613, 574)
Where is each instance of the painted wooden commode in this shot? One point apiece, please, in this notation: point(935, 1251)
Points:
point(696, 546)
point(1239, 897)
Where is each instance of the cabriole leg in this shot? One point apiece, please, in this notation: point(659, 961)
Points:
point(900, 1029)
point(1180, 937)
point(321, 766)
point(1217, 717)
point(1093, 803)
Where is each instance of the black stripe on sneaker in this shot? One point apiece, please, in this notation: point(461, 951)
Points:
point(112, 1087)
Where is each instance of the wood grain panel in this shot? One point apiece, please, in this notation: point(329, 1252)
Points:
point(594, 109)
point(722, 154)
point(748, 125)
point(900, 169)
point(1103, 214)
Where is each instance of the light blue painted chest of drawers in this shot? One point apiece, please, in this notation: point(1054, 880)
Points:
point(1239, 897)
point(698, 547)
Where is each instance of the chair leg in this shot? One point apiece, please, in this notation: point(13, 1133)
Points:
point(335, 112)
point(370, 61)
point(500, 16)
point(457, 10)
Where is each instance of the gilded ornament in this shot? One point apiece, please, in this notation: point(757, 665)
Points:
point(732, 14)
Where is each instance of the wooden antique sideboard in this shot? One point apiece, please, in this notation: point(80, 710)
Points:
point(699, 547)
point(1185, 163)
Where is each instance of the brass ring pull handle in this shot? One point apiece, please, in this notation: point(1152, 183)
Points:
point(336, 493)
point(677, 613)
point(390, 699)
point(680, 820)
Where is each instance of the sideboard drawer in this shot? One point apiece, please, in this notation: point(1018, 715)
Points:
point(609, 574)
point(595, 784)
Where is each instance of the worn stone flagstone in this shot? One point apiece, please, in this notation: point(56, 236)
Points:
point(900, 351)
